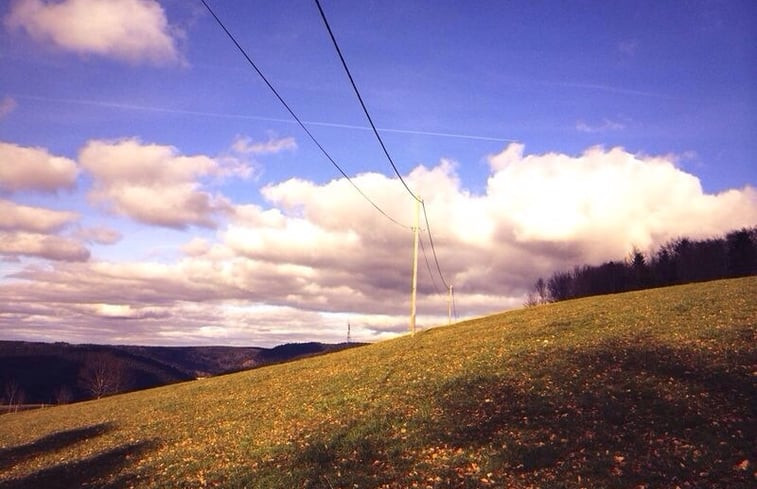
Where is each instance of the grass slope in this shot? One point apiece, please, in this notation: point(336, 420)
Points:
point(645, 389)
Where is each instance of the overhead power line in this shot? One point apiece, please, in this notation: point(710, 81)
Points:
point(362, 104)
point(381, 142)
point(328, 156)
point(433, 248)
point(299, 121)
point(428, 266)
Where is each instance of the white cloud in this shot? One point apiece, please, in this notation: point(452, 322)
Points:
point(605, 126)
point(245, 145)
point(332, 251)
point(153, 183)
point(17, 217)
point(317, 255)
point(101, 235)
point(51, 247)
point(126, 311)
point(130, 30)
point(23, 168)
point(607, 200)
point(31, 232)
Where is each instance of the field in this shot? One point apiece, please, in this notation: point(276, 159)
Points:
point(652, 389)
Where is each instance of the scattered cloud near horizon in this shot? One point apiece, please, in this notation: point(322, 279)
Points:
point(312, 256)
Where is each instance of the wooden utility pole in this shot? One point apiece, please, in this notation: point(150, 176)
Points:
point(449, 305)
point(414, 287)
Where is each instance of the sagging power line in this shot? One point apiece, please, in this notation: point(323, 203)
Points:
point(294, 116)
point(362, 104)
point(428, 266)
point(418, 201)
point(399, 175)
point(433, 248)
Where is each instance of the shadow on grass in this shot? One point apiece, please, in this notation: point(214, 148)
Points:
point(363, 454)
point(97, 471)
point(616, 417)
point(624, 415)
point(50, 443)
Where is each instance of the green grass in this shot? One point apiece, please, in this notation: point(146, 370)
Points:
point(646, 389)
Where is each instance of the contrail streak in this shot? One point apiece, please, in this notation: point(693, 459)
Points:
point(166, 110)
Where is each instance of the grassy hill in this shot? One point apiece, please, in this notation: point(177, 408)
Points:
point(644, 389)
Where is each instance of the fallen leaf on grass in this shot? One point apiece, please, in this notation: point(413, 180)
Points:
point(743, 465)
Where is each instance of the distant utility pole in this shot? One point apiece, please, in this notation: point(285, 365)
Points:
point(414, 286)
point(349, 339)
point(449, 306)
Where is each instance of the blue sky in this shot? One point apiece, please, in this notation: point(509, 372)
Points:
point(512, 119)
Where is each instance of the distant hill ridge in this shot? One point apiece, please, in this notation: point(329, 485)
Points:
point(58, 373)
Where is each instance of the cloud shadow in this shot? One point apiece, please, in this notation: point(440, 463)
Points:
point(623, 416)
point(50, 443)
point(96, 471)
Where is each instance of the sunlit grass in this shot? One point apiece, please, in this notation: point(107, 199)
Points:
point(652, 388)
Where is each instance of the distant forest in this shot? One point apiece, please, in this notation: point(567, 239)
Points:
point(679, 261)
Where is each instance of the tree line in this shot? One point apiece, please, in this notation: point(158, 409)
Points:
point(678, 261)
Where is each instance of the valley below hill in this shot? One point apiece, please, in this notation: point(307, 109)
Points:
point(33, 374)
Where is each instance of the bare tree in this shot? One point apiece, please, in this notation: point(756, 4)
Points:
point(559, 286)
point(13, 395)
point(538, 295)
point(541, 291)
point(102, 374)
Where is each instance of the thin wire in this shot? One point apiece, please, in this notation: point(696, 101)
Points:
point(433, 248)
point(362, 104)
point(428, 265)
point(291, 112)
point(381, 142)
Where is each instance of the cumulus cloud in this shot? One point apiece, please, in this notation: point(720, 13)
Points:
point(131, 30)
point(38, 245)
point(607, 200)
point(331, 251)
point(539, 213)
point(153, 183)
point(17, 217)
point(24, 168)
point(316, 256)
